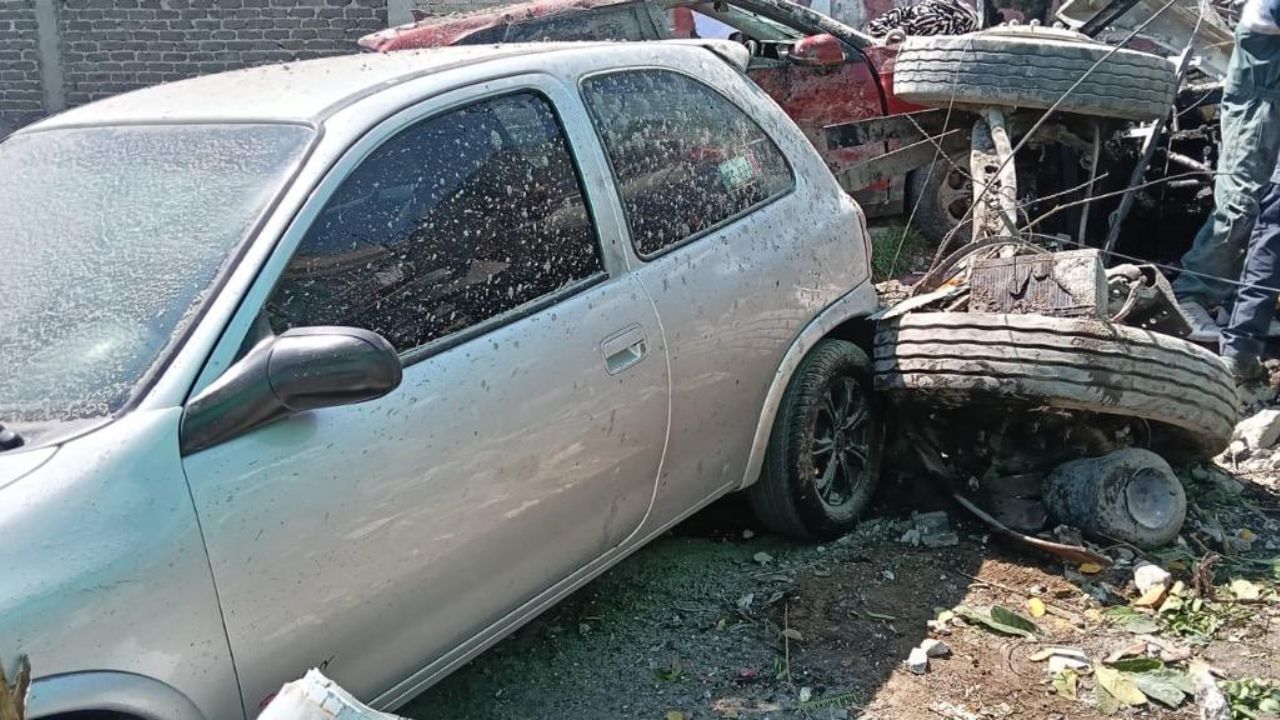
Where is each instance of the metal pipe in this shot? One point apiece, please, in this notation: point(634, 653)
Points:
point(1007, 175)
point(1189, 162)
point(1093, 177)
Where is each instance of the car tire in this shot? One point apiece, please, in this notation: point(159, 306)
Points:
point(1033, 67)
point(954, 359)
point(938, 201)
point(804, 493)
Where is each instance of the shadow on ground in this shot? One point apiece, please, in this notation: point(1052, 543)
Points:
point(718, 619)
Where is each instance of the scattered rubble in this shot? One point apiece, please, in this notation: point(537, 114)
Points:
point(1260, 430)
point(918, 661)
point(935, 648)
point(932, 530)
point(1148, 577)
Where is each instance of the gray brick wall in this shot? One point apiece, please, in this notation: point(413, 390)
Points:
point(447, 7)
point(21, 96)
point(106, 47)
point(110, 46)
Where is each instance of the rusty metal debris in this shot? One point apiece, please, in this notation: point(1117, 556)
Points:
point(1006, 327)
point(1065, 284)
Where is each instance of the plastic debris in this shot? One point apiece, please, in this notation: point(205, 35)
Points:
point(316, 697)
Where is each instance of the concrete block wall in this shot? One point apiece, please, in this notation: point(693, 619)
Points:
point(77, 51)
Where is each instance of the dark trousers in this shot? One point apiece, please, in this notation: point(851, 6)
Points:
point(1255, 305)
point(1250, 117)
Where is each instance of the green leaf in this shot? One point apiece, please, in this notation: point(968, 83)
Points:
point(1165, 686)
point(993, 624)
point(1066, 683)
point(1131, 620)
point(1136, 664)
point(1005, 616)
point(1120, 685)
point(1107, 703)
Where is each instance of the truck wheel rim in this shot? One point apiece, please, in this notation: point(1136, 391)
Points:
point(955, 195)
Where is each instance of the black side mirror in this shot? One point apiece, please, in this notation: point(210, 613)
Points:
point(302, 369)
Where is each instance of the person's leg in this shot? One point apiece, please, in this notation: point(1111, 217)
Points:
point(1250, 117)
point(1250, 143)
point(1245, 336)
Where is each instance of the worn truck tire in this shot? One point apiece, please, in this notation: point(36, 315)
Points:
point(1073, 363)
point(1032, 67)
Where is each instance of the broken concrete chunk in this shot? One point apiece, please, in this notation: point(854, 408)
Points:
point(1260, 430)
point(918, 661)
point(935, 648)
point(935, 530)
point(1147, 576)
point(910, 537)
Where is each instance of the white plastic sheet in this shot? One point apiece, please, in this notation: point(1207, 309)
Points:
point(316, 697)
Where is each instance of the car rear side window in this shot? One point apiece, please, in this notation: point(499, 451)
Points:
point(453, 222)
point(686, 159)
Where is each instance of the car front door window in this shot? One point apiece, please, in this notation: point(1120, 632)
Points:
point(454, 224)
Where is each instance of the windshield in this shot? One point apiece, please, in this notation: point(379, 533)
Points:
point(112, 236)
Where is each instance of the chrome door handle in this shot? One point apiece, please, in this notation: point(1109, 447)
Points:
point(624, 349)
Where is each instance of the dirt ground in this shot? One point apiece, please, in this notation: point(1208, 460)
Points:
point(718, 620)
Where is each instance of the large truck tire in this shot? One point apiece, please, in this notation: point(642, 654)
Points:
point(954, 359)
point(1032, 67)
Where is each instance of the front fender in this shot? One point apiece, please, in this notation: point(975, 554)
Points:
point(857, 303)
point(118, 692)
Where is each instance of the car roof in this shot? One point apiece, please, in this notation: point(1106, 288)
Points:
point(306, 91)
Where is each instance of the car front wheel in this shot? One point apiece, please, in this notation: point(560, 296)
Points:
point(823, 459)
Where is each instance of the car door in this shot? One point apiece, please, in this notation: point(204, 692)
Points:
point(738, 251)
point(523, 442)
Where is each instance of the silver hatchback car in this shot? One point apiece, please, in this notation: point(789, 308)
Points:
point(361, 363)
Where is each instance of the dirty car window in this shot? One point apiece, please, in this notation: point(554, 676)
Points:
point(454, 221)
point(112, 236)
point(686, 158)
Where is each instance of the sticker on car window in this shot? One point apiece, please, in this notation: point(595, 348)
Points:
point(736, 172)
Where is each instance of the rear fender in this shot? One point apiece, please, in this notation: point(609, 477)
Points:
point(857, 303)
point(139, 696)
